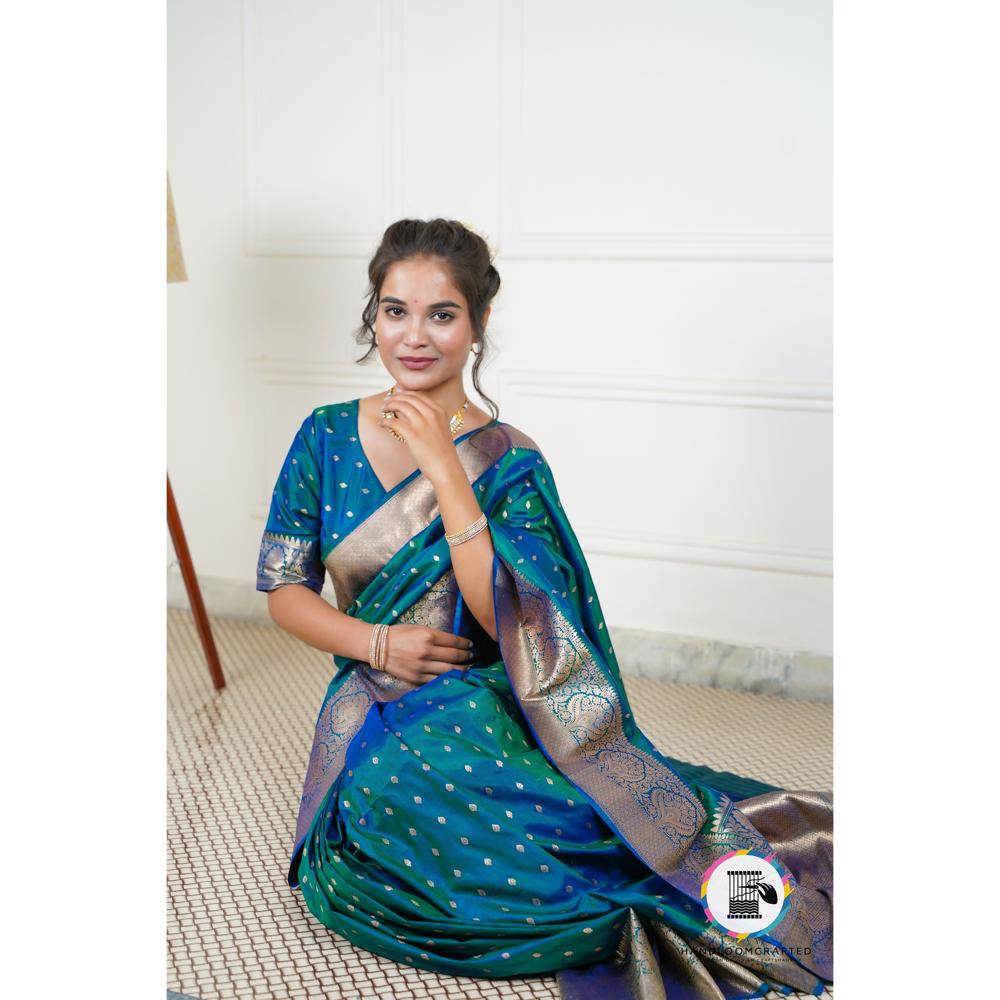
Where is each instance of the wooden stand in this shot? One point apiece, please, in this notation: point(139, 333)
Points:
point(193, 591)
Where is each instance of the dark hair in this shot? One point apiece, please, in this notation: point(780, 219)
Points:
point(463, 252)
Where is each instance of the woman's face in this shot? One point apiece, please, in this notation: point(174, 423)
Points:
point(422, 315)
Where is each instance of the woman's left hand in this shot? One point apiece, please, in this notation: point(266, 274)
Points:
point(426, 428)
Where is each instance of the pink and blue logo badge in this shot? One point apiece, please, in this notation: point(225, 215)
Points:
point(745, 893)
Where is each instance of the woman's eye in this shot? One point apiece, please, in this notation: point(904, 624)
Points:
point(393, 310)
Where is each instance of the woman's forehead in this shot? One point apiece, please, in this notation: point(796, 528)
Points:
point(419, 280)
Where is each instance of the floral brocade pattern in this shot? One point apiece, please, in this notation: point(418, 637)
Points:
point(577, 694)
point(284, 559)
point(543, 649)
point(340, 718)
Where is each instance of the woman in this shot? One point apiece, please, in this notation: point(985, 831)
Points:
point(479, 800)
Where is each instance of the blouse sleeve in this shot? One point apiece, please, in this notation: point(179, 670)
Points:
point(290, 544)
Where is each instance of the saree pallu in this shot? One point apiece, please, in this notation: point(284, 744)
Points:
point(512, 819)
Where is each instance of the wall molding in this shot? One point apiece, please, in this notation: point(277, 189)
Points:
point(329, 374)
point(518, 385)
point(517, 243)
point(344, 380)
point(734, 555)
point(258, 243)
point(263, 376)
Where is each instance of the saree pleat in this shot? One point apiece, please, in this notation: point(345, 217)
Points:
point(512, 819)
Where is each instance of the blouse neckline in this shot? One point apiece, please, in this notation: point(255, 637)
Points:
point(417, 471)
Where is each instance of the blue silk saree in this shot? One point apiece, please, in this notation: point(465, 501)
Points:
point(512, 819)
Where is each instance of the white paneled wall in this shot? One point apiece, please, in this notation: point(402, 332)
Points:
point(655, 178)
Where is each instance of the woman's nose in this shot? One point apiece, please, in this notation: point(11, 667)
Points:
point(414, 333)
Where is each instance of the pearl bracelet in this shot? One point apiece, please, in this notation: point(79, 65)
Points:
point(466, 533)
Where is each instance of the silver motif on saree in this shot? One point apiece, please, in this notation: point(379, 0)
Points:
point(287, 559)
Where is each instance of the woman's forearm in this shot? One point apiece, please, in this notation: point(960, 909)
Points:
point(311, 618)
point(472, 560)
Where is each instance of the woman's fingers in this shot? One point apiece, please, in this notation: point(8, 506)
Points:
point(405, 409)
point(451, 654)
point(442, 666)
point(416, 412)
point(420, 404)
point(449, 648)
point(444, 660)
point(450, 639)
point(431, 669)
point(419, 653)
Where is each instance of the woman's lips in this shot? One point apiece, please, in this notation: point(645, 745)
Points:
point(418, 365)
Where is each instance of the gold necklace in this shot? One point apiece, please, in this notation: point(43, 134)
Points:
point(455, 423)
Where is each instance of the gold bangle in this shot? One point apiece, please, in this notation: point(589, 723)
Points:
point(376, 646)
point(383, 647)
point(466, 533)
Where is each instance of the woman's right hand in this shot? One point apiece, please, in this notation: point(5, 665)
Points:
point(419, 653)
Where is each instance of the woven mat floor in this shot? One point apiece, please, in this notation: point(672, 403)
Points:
point(236, 762)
